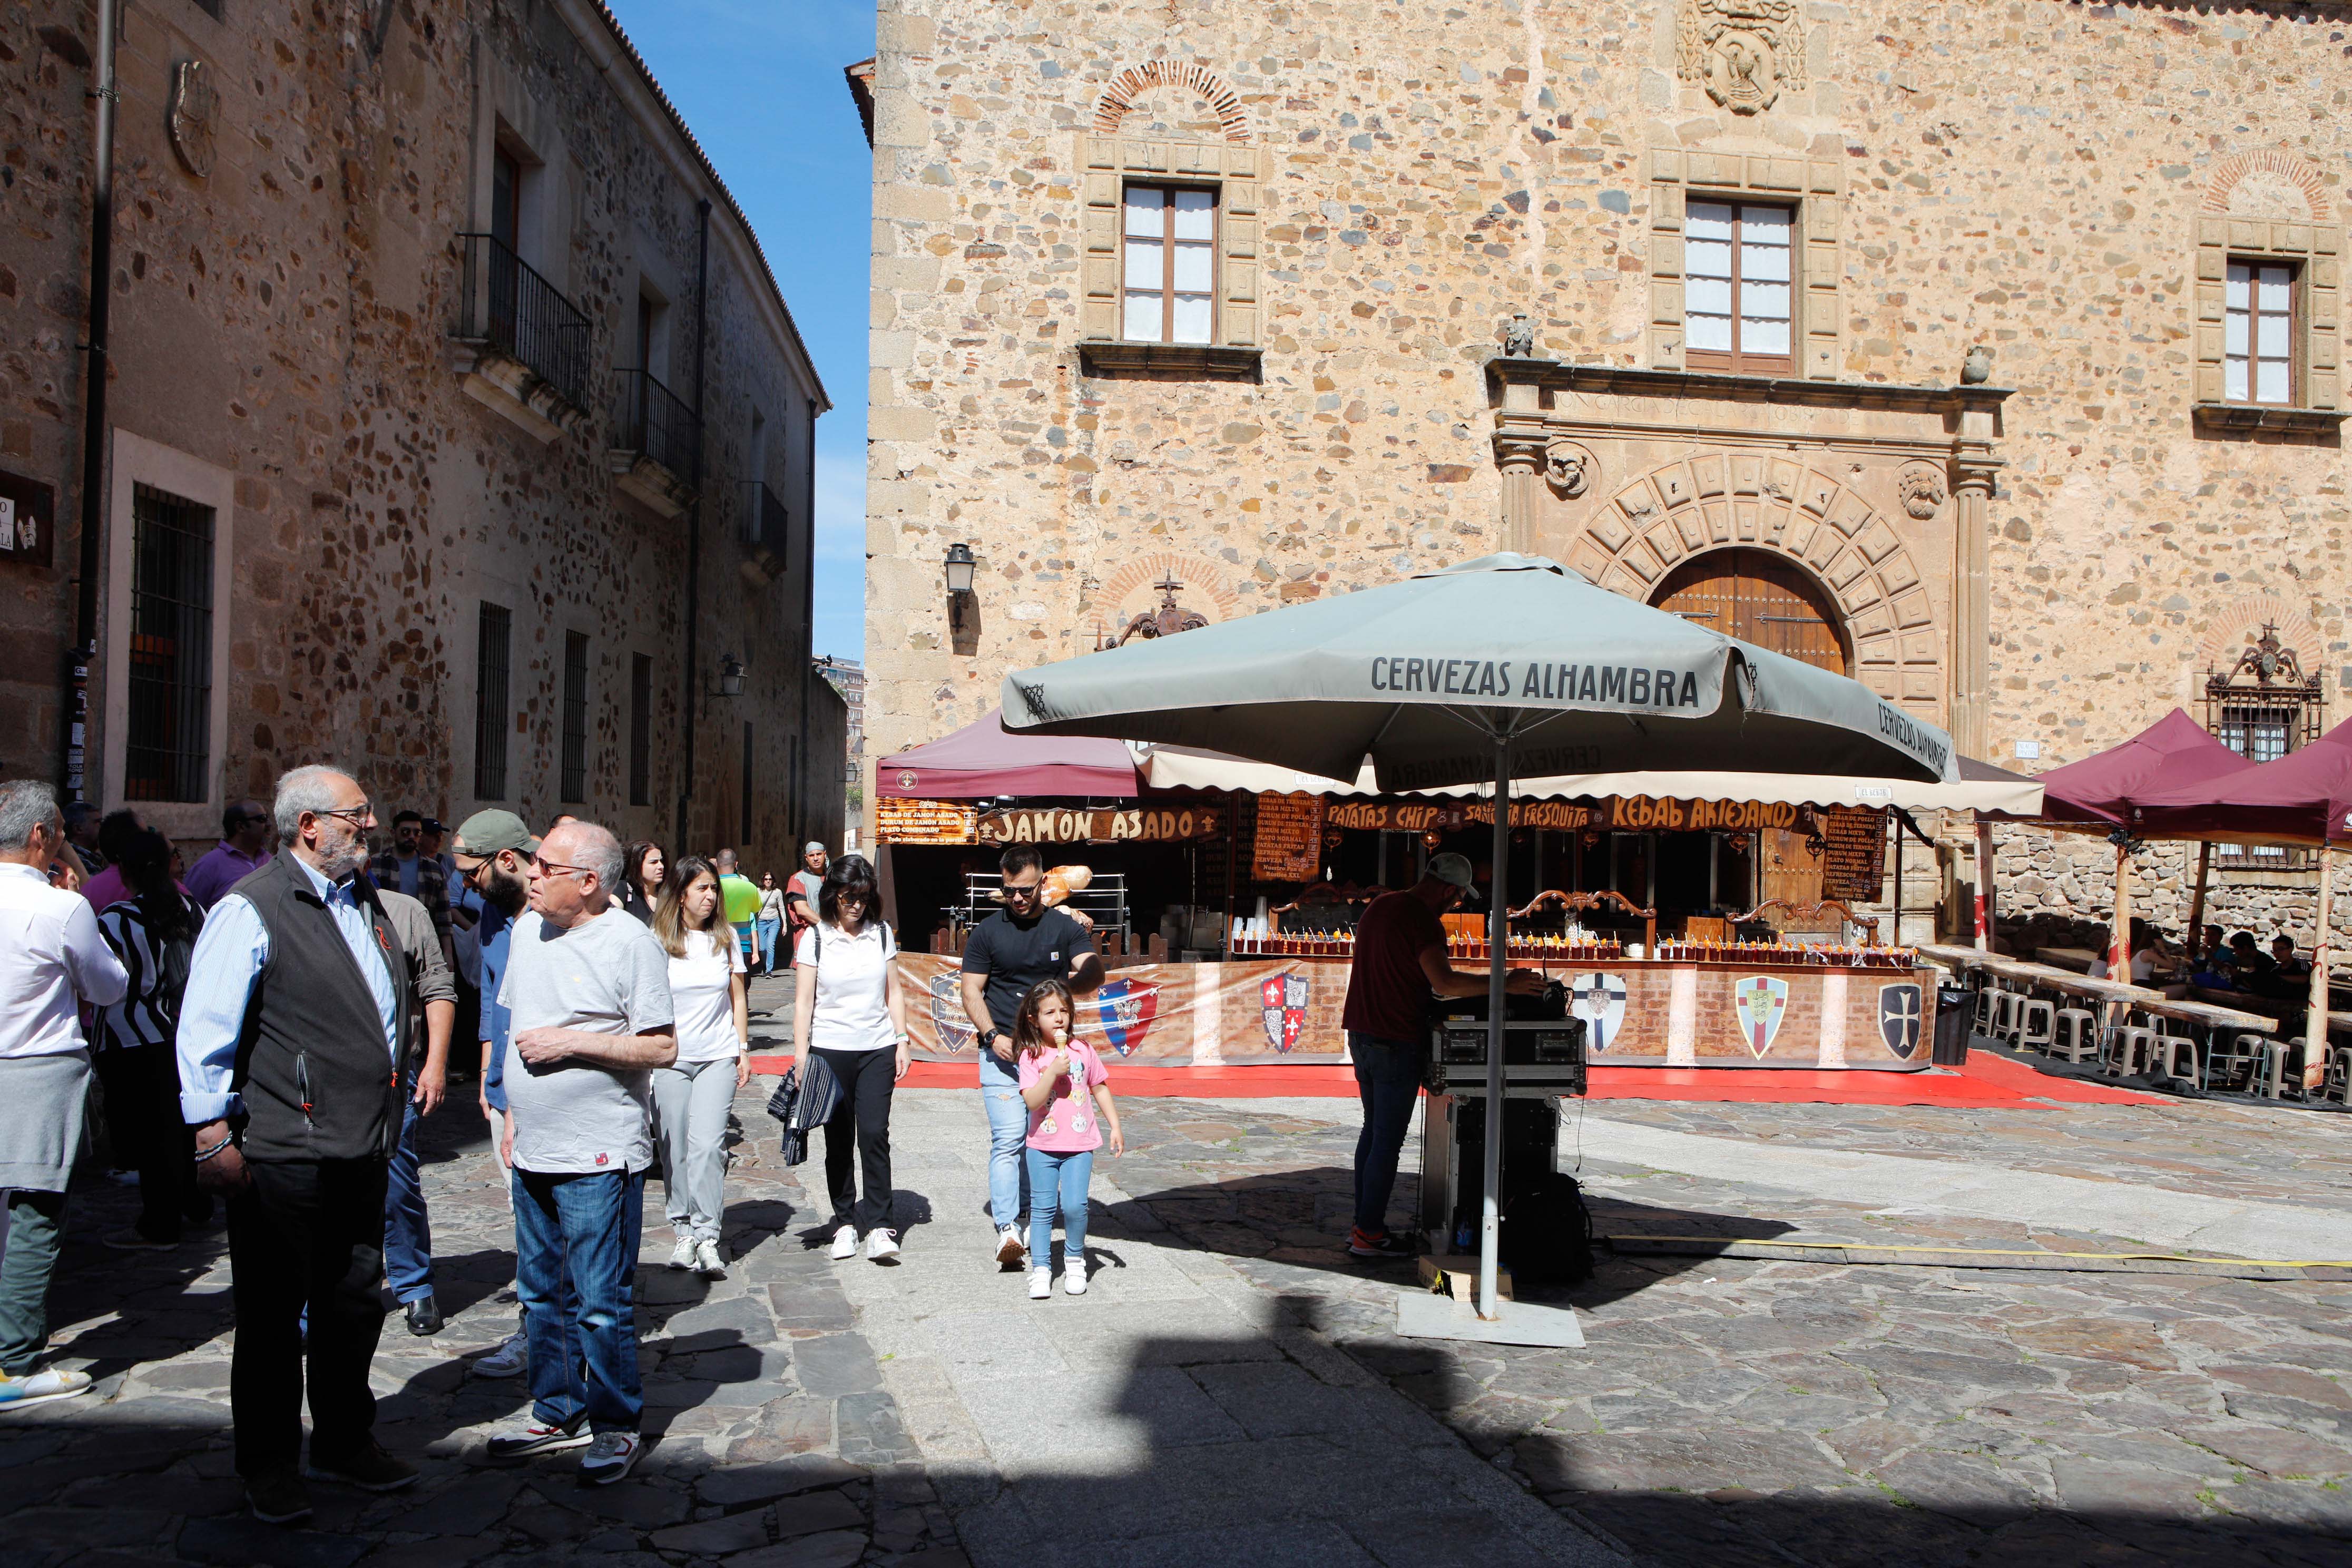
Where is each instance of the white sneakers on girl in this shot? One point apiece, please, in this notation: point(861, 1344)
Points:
point(1041, 1284)
point(710, 1266)
point(881, 1247)
point(844, 1243)
point(1073, 1276)
point(682, 1255)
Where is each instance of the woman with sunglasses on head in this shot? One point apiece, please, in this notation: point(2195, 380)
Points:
point(691, 1096)
point(849, 1009)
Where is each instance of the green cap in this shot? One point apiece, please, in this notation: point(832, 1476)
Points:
point(487, 833)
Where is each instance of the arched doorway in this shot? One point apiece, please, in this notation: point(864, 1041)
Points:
point(1761, 598)
point(1775, 604)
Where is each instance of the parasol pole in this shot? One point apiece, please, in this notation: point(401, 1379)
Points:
point(2119, 935)
point(1984, 884)
point(1498, 934)
point(2314, 1018)
point(2197, 898)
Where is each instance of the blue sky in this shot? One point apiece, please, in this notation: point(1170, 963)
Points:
point(761, 83)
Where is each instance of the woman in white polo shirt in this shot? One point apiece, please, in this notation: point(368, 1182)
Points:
point(691, 1096)
point(849, 1009)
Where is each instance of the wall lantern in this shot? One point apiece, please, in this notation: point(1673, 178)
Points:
point(960, 565)
point(731, 677)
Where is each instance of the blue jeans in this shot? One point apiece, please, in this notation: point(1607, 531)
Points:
point(575, 1269)
point(1057, 1183)
point(1008, 1135)
point(763, 935)
point(407, 1228)
point(1388, 1081)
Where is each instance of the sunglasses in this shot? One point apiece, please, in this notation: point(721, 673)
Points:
point(552, 868)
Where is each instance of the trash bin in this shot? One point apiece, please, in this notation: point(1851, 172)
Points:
point(1955, 1010)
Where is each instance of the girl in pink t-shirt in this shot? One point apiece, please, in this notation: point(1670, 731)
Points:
point(1059, 1074)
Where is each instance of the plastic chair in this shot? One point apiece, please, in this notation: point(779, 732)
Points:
point(2338, 1086)
point(1988, 1000)
point(2034, 1024)
point(2127, 1050)
point(2232, 1069)
point(2006, 1008)
point(2290, 1076)
point(2174, 1059)
point(2077, 1035)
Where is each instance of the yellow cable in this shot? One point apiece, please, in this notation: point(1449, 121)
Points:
point(1996, 1252)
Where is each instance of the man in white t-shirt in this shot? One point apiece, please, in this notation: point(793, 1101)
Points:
point(588, 990)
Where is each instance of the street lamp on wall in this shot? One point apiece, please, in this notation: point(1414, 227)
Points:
point(959, 566)
point(731, 677)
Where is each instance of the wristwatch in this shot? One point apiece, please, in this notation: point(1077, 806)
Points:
point(988, 1037)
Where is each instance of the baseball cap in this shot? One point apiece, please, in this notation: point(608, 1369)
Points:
point(487, 833)
point(1451, 867)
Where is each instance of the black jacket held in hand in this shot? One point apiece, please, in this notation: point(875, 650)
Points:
point(317, 1081)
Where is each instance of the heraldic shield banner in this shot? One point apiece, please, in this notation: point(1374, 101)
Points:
point(1162, 1015)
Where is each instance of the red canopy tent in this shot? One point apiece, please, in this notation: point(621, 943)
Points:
point(2104, 790)
point(2304, 797)
point(983, 759)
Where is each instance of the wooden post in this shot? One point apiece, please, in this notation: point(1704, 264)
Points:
point(2315, 1017)
point(2119, 935)
point(2197, 898)
point(1984, 885)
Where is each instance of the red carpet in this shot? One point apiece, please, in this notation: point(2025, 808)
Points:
point(1987, 1081)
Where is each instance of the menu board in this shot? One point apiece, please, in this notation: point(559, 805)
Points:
point(1288, 844)
point(902, 821)
point(1853, 867)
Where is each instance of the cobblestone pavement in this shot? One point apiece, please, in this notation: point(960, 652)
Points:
point(774, 1444)
point(1731, 1411)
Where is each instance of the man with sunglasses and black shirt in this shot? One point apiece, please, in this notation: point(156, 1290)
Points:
point(1008, 952)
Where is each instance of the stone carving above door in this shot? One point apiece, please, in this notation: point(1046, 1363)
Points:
point(1742, 52)
point(1713, 500)
point(1570, 468)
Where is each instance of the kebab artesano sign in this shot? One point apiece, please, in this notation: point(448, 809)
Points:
point(1139, 826)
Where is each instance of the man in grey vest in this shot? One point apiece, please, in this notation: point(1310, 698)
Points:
point(293, 1031)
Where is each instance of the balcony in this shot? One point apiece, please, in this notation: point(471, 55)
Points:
point(766, 526)
point(520, 347)
point(656, 444)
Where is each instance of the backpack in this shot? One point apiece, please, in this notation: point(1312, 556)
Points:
point(1548, 1231)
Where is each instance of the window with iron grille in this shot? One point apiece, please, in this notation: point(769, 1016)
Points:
point(1739, 311)
point(574, 786)
point(168, 731)
point(2263, 708)
point(1168, 251)
point(490, 667)
point(641, 729)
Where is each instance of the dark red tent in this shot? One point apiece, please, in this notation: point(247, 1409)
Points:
point(983, 759)
point(2304, 797)
point(2173, 754)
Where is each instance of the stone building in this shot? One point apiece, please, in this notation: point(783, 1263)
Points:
point(458, 430)
point(847, 676)
point(1987, 350)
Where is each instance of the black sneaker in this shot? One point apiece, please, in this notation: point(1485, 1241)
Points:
point(612, 1455)
point(1362, 1243)
point(370, 1469)
point(278, 1496)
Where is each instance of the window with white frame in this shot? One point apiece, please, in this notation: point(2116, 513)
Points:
point(1168, 264)
point(2258, 332)
point(1738, 299)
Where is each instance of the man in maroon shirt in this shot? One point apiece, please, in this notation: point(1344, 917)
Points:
point(1400, 961)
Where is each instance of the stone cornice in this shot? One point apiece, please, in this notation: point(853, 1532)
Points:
point(2266, 416)
point(1205, 362)
point(1627, 381)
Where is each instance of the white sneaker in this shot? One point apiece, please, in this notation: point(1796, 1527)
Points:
point(881, 1247)
point(510, 1358)
point(1009, 1247)
point(844, 1243)
point(1073, 1276)
point(708, 1263)
point(681, 1256)
point(1041, 1284)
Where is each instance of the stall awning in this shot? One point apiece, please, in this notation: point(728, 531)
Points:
point(2173, 754)
point(1982, 787)
point(983, 760)
point(2304, 797)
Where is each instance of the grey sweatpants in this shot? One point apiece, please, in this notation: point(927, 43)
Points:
point(690, 1104)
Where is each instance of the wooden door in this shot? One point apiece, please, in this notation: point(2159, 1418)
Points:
point(1774, 604)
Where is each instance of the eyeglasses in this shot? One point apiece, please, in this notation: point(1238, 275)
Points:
point(552, 868)
point(357, 816)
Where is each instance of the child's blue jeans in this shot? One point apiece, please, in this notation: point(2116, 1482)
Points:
point(1058, 1182)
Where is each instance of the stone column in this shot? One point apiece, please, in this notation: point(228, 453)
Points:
point(1971, 689)
point(1520, 455)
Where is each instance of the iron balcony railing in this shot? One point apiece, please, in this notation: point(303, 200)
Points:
point(516, 311)
point(766, 524)
point(650, 418)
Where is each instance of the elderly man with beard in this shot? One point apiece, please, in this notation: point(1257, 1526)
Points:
point(293, 1033)
point(587, 990)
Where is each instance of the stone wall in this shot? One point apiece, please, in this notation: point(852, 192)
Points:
point(2052, 181)
point(283, 319)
